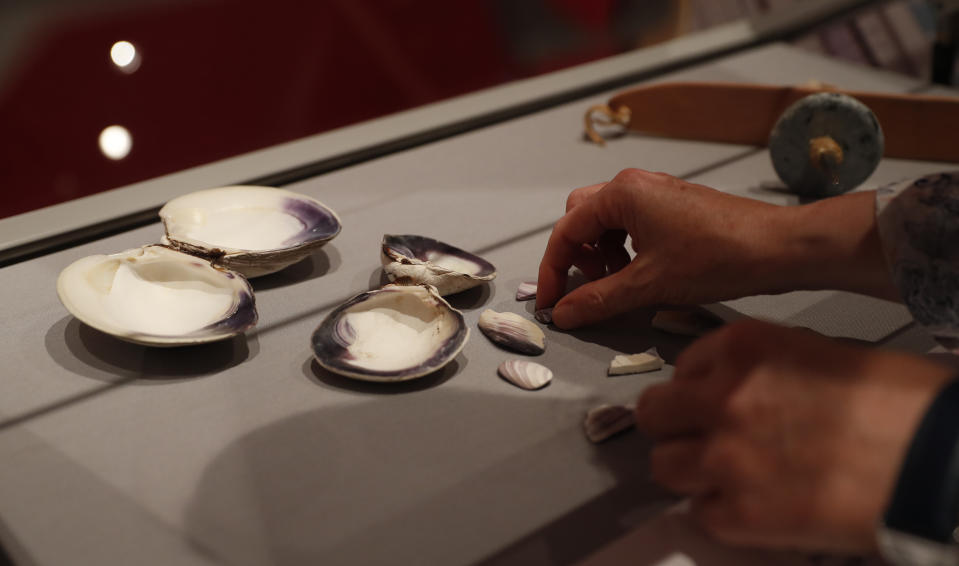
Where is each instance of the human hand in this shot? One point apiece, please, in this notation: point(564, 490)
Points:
point(697, 245)
point(784, 438)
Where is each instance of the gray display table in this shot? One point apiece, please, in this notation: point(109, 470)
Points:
point(246, 452)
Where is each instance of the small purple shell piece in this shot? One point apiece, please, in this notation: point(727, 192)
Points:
point(544, 315)
point(526, 291)
point(525, 375)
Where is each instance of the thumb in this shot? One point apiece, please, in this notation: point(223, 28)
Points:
point(598, 300)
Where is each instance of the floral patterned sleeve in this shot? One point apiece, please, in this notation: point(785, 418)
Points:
point(919, 228)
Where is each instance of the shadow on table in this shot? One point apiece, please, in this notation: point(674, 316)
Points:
point(470, 299)
point(329, 380)
point(574, 536)
point(85, 351)
point(627, 333)
point(318, 264)
point(5, 558)
point(438, 477)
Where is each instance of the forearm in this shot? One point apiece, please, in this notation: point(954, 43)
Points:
point(829, 244)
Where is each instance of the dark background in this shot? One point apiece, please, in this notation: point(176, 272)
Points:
point(218, 78)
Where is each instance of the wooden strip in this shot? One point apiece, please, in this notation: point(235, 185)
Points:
point(915, 126)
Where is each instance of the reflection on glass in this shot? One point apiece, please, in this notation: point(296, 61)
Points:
point(115, 142)
point(124, 55)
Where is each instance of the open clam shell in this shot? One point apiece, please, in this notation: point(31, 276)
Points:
point(415, 260)
point(157, 296)
point(251, 230)
point(390, 334)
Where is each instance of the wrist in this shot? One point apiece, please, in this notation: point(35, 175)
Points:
point(829, 244)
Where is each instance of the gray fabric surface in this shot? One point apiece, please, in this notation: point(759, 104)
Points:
point(246, 452)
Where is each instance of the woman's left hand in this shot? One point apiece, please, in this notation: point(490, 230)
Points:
point(784, 438)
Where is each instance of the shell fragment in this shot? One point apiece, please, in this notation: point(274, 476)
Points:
point(604, 421)
point(526, 291)
point(686, 322)
point(624, 364)
point(524, 374)
point(512, 332)
point(544, 315)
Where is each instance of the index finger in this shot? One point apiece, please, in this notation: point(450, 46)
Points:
point(583, 224)
point(577, 196)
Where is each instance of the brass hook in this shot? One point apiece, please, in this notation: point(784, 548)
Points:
point(607, 117)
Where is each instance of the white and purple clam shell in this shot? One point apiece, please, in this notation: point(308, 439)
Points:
point(157, 296)
point(391, 334)
point(416, 260)
point(251, 230)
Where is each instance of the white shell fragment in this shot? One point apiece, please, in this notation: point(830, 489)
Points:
point(524, 374)
point(390, 334)
point(624, 364)
point(157, 296)
point(251, 230)
point(686, 322)
point(526, 291)
point(604, 421)
point(512, 332)
point(418, 260)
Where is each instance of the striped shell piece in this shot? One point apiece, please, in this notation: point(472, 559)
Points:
point(604, 421)
point(526, 291)
point(524, 374)
point(512, 332)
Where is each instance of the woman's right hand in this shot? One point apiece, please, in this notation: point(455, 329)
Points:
point(697, 245)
